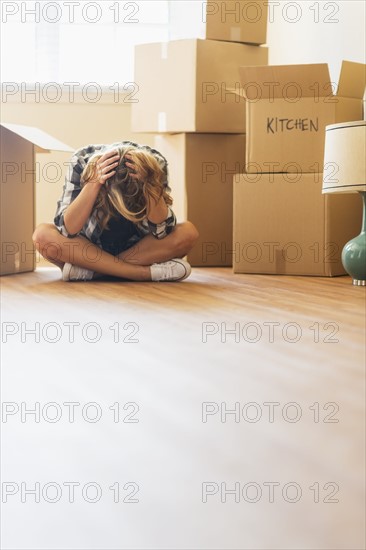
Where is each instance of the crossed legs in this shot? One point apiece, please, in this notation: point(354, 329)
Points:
point(133, 264)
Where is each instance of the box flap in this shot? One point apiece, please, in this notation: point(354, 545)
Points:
point(285, 81)
point(352, 80)
point(37, 137)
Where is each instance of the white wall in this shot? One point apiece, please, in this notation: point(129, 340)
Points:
point(320, 31)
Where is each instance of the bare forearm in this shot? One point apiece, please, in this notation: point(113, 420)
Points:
point(80, 209)
point(157, 212)
point(78, 212)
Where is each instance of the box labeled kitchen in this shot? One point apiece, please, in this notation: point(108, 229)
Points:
point(288, 107)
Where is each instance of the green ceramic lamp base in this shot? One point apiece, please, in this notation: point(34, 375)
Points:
point(354, 253)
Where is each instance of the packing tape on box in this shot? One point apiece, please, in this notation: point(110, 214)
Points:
point(164, 50)
point(235, 34)
point(162, 122)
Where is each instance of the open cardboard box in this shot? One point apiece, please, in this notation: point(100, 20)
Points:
point(284, 225)
point(288, 107)
point(18, 147)
point(226, 20)
point(192, 86)
point(201, 168)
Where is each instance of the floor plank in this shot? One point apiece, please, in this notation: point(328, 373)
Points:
point(183, 356)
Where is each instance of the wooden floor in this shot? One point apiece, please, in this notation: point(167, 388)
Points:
point(164, 364)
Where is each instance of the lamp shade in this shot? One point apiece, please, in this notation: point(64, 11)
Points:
point(344, 158)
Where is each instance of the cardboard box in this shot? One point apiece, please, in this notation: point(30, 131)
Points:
point(18, 170)
point(201, 169)
point(284, 225)
point(288, 108)
point(191, 86)
point(226, 20)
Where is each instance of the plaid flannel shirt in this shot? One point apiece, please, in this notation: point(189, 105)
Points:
point(72, 188)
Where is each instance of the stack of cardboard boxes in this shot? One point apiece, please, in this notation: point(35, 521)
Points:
point(190, 94)
point(282, 222)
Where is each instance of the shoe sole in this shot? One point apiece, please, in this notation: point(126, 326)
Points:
point(66, 272)
point(187, 269)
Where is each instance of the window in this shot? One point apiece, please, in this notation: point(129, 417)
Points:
point(77, 41)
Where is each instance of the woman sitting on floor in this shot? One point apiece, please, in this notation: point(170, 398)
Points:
point(115, 218)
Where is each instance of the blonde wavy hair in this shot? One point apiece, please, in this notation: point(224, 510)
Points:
point(122, 194)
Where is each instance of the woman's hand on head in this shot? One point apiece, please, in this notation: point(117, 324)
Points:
point(104, 167)
point(131, 167)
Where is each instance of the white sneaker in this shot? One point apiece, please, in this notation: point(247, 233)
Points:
point(74, 273)
point(174, 270)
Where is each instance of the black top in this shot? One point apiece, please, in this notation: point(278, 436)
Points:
point(115, 237)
